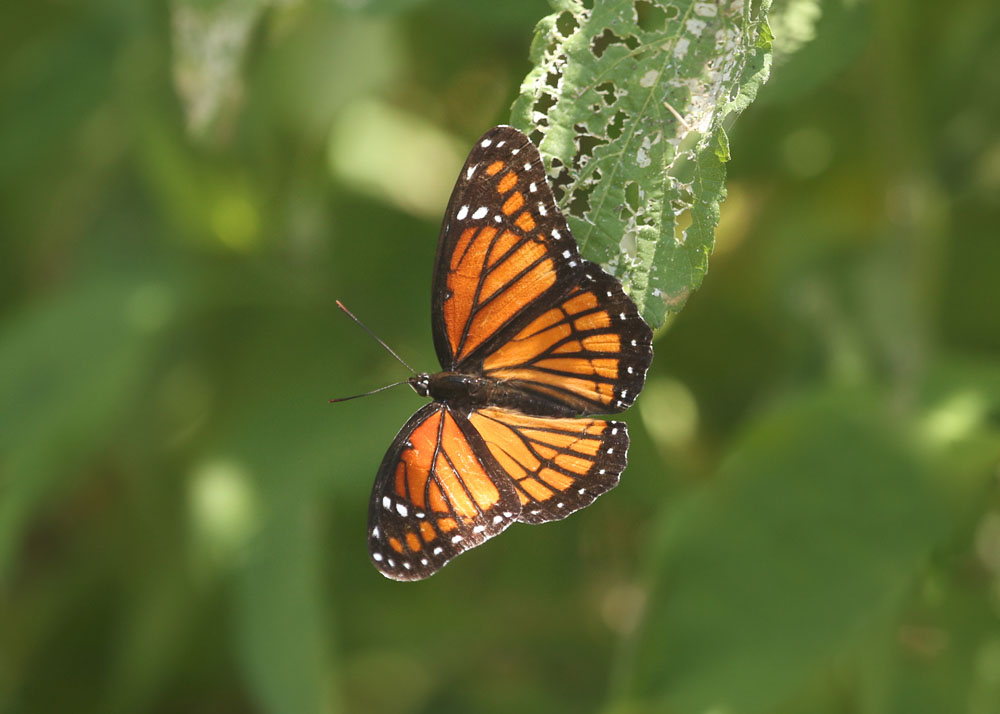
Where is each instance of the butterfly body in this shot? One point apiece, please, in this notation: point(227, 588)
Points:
point(468, 391)
point(533, 341)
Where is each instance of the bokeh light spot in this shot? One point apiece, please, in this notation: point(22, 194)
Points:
point(150, 307)
point(669, 412)
point(222, 506)
point(395, 157)
point(807, 152)
point(235, 222)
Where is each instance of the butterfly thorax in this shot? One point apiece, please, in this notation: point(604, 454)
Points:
point(467, 391)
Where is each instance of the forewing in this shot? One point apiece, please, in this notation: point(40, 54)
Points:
point(504, 247)
point(557, 466)
point(589, 349)
point(438, 493)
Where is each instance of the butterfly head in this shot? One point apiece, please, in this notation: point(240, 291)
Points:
point(421, 384)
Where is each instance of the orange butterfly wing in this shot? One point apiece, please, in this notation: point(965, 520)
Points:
point(513, 299)
point(557, 466)
point(438, 492)
point(504, 247)
point(589, 350)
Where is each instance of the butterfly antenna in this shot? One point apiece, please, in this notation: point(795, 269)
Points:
point(388, 386)
point(377, 339)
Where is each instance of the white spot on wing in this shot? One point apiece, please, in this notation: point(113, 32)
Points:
point(386, 503)
point(462, 213)
point(456, 539)
point(479, 529)
point(480, 212)
point(485, 142)
point(469, 171)
point(401, 510)
point(377, 557)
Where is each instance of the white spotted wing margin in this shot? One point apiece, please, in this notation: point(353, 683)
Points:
point(479, 202)
point(439, 492)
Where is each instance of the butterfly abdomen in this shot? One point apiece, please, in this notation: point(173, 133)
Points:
point(466, 391)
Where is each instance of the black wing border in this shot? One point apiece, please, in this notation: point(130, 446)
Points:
point(478, 190)
point(393, 565)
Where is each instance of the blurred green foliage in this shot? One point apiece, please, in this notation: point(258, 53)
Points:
point(809, 520)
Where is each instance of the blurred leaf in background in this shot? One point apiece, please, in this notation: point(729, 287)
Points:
point(809, 519)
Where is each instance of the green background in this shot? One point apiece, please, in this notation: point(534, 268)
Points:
point(809, 521)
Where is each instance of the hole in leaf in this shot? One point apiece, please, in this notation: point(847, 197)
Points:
point(586, 143)
point(632, 195)
point(559, 179)
point(681, 223)
point(607, 91)
point(552, 79)
point(579, 204)
point(683, 168)
point(652, 18)
point(544, 103)
point(617, 125)
point(600, 44)
point(566, 24)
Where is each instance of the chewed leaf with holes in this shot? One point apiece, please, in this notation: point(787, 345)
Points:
point(627, 102)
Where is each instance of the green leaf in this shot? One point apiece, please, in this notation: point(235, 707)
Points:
point(281, 645)
point(627, 102)
point(802, 548)
point(68, 370)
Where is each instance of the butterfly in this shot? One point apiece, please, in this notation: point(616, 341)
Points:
point(530, 337)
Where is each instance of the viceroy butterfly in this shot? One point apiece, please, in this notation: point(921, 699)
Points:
point(530, 336)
